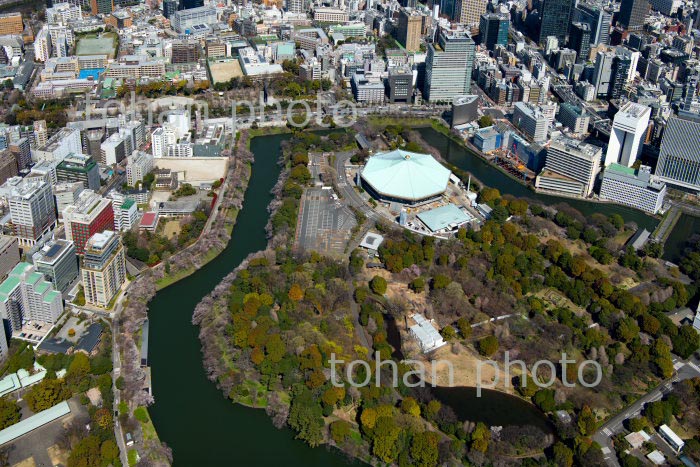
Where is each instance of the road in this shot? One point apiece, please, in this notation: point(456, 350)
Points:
point(116, 371)
point(685, 370)
point(347, 189)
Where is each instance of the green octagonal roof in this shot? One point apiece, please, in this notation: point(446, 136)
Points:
point(406, 175)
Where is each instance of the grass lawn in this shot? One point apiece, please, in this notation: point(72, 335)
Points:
point(149, 431)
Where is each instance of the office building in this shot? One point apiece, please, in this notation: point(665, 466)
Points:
point(531, 121)
point(42, 45)
point(468, 12)
point(103, 268)
point(11, 24)
point(571, 167)
point(41, 133)
point(598, 19)
point(8, 165)
point(79, 168)
point(26, 296)
point(58, 262)
point(627, 136)
point(9, 255)
point(114, 149)
point(22, 151)
point(184, 19)
point(574, 118)
point(409, 29)
point(330, 15)
point(31, 208)
point(66, 194)
point(602, 72)
point(184, 52)
point(400, 84)
point(634, 188)
point(448, 66)
point(90, 215)
point(555, 19)
point(580, 41)
point(493, 30)
point(464, 109)
point(368, 88)
point(101, 7)
point(296, 6)
point(170, 7)
point(679, 157)
point(621, 67)
point(632, 14)
point(138, 165)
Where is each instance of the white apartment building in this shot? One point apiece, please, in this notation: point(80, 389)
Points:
point(25, 295)
point(161, 139)
point(138, 165)
point(64, 13)
point(42, 45)
point(634, 188)
point(627, 136)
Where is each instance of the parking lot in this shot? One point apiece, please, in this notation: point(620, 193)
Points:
point(324, 223)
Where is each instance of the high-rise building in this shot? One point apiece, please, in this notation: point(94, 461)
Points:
point(31, 208)
point(184, 51)
point(296, 6)
point(66, 194)
point(8, 165)
point(26, 296)
point(634, 188)
point(448, 66)
point(79, 168)
point(101, 7)
point(161, 139)
point(170, 7)
point(633, 13)
point(65, 142)
point(531, 121)
point(409, 29)
point(627, 135)
point(571, 167)
point(22, 151)
point(468, 12)
point(598, 19)
point(602, 73)
point(621, 67)
point(580, 41)
point(138, 165)
point(573, 117)
point(41, 134)
point(464, 109)
point(103, 268)
point(555, 18)
point(189, 4)
point(9, 255)
point(400, 84)
point(679, 158)
point(58, 262)
point(493, 30)
point(42, 45)
point(90, 215)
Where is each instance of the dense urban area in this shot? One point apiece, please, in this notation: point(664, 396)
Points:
point(350, 232)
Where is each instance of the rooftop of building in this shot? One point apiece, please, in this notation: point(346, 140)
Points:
point(444, 217)
point(406, 175)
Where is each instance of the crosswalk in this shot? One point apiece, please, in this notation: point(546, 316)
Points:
point(694, 366)
point(607, 432)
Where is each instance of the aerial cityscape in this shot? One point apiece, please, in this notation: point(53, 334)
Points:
point(350, 232)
